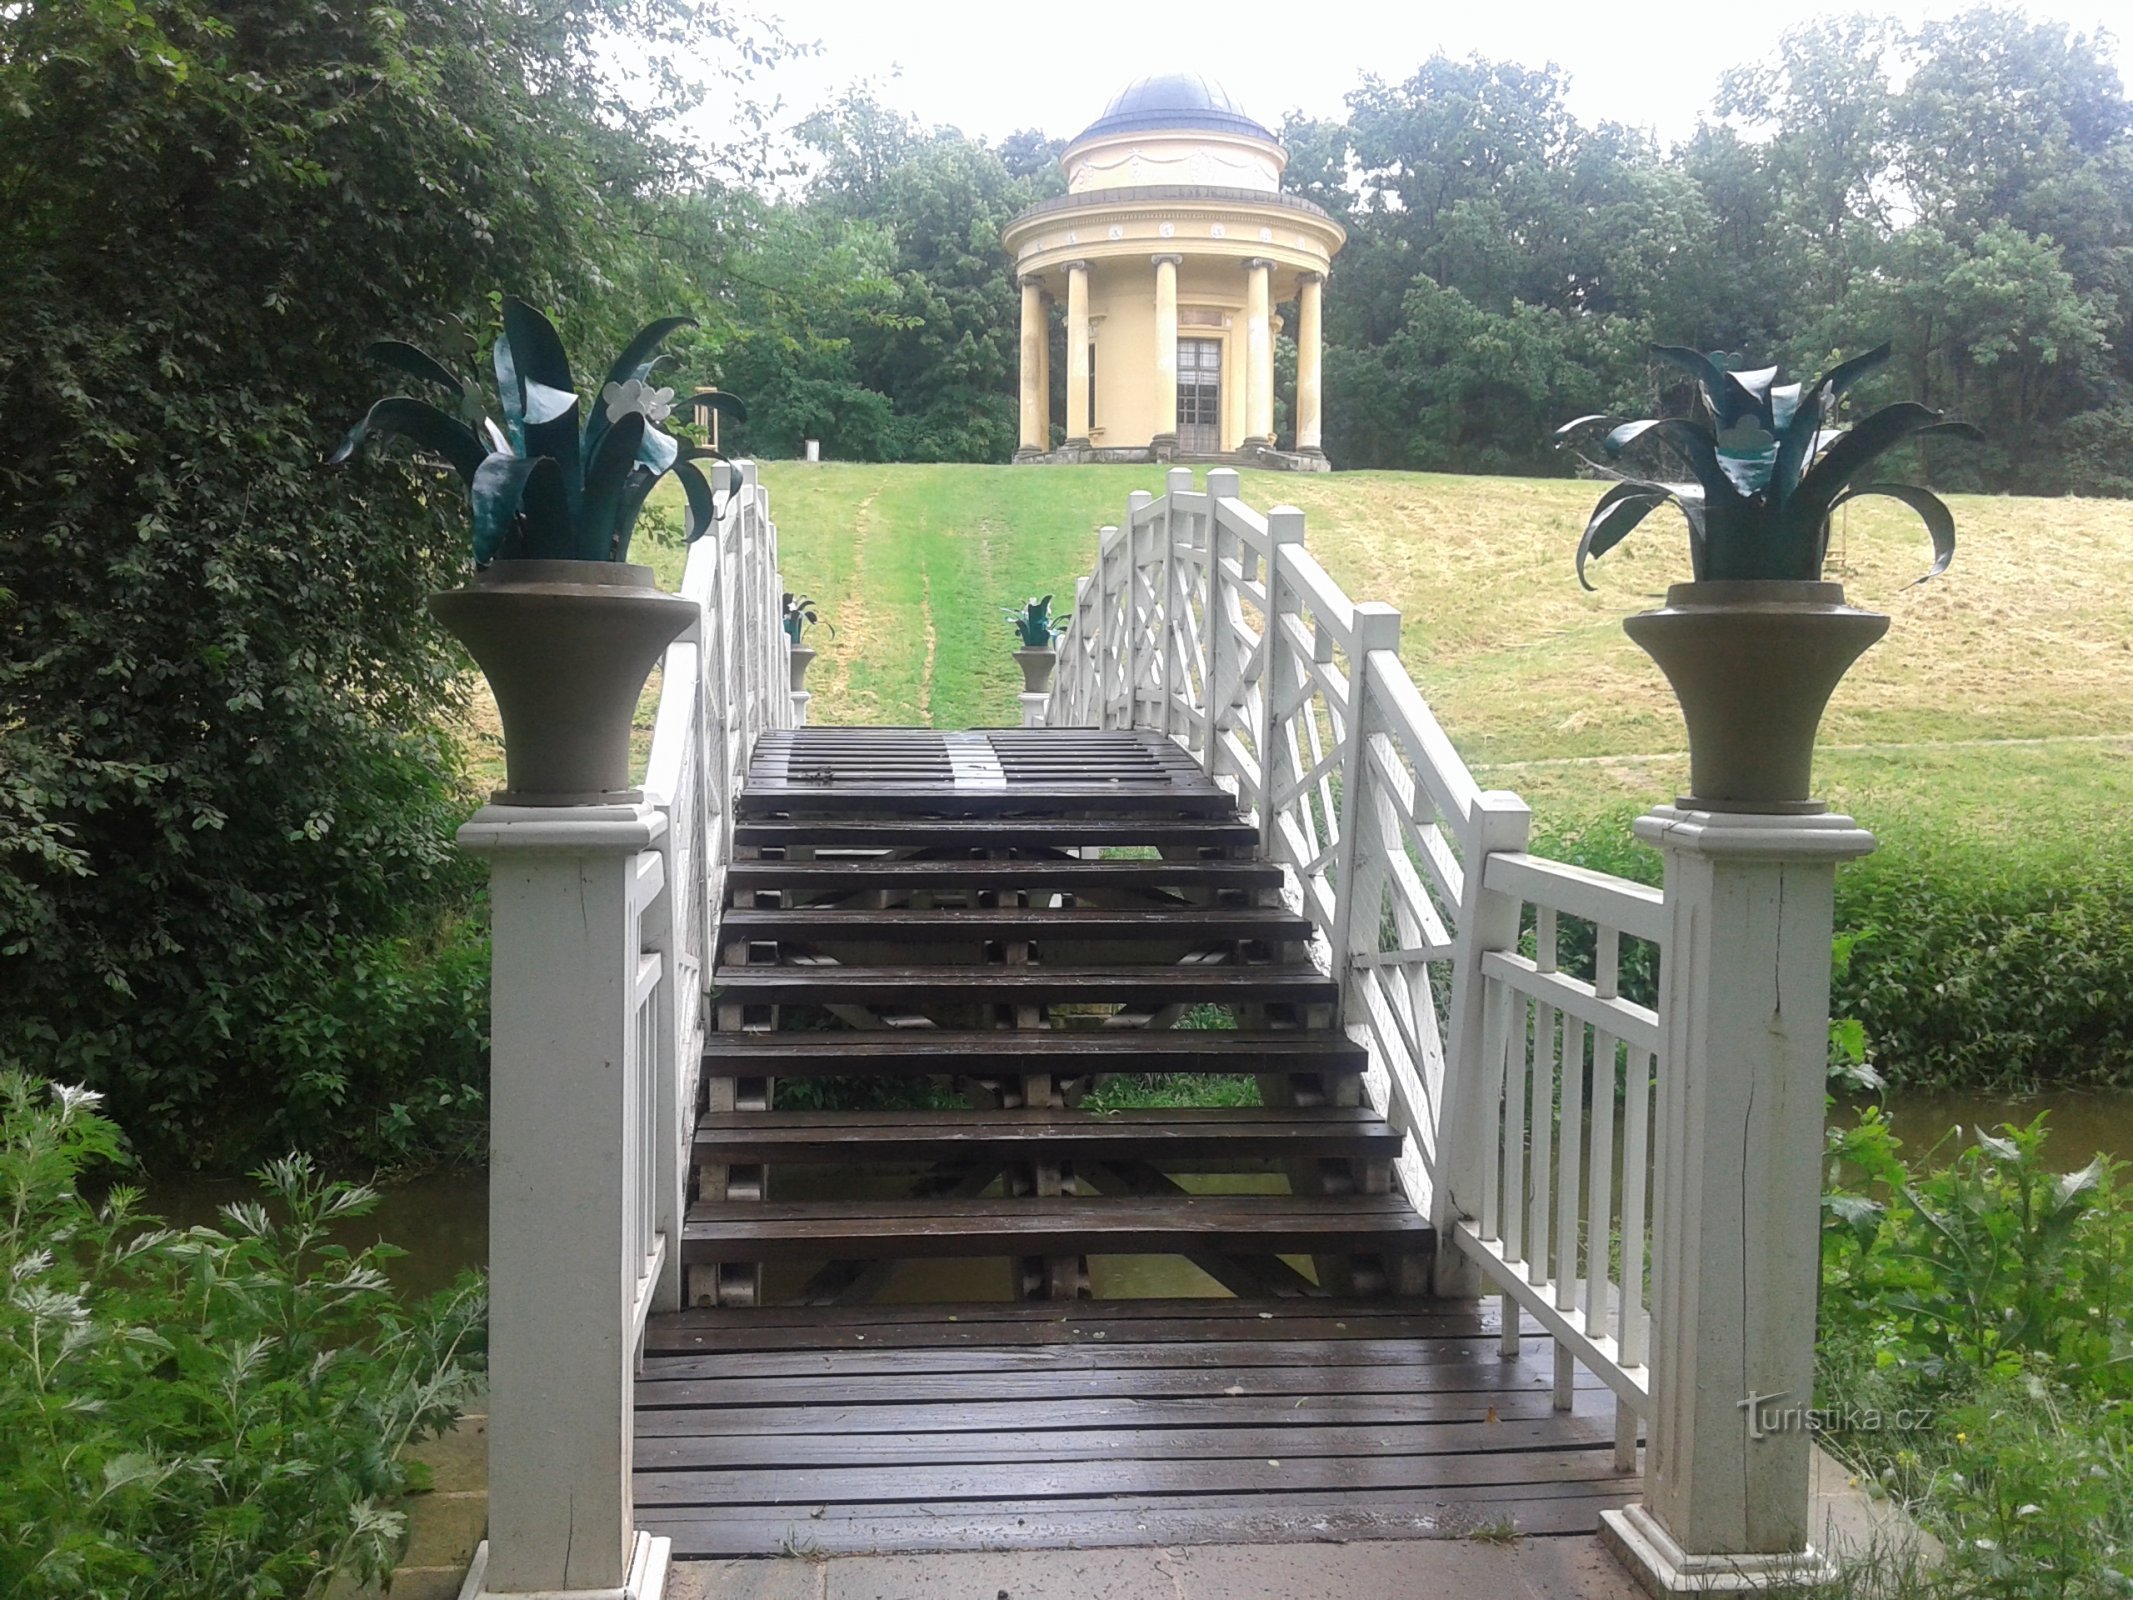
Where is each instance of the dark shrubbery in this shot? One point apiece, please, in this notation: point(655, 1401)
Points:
point(1985, 968)
point(224, 834)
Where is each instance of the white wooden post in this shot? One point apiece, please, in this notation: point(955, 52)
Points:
point(561, 1343)
point(1377, 627)
point(1221, 641)
point(1170, 648)
point(1744, 1012)
point(667, 933)
point(1498, 821)
point(1119, 623)
point(1222, 484)
point(1284, 527)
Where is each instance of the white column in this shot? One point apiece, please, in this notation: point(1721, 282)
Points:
point(1309, 354)
point(1077, 353)
point(561, 1341)
point(1033, 441)
point(1044, 373)
point(1258, 354)
point(1166, 348)
point(1736, 1218)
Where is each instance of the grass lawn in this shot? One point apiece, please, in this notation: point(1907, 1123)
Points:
point(2029, 638)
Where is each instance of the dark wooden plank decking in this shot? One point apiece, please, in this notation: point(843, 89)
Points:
point(913, 1428)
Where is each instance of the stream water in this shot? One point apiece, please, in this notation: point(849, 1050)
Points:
point(442, 1219)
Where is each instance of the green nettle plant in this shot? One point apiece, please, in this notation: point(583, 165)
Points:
point(1768, 468)
point(208, 1412)
point(1033, 624)
point(551, 484)
point(801, 613)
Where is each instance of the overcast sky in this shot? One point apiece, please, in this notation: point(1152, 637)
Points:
point(994, 67)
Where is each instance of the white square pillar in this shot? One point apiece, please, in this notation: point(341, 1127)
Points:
point(565, 963)
point(1736, 1227)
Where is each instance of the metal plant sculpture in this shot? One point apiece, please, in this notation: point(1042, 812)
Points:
point(547, 486)
point(802, 613)
point(1768, 472)
point(1033, 624)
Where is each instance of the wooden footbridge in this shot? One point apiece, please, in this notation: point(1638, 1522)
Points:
point(1021, 915)
point(879, 1226)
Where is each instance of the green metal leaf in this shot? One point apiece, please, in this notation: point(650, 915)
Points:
point(423, 425)
point(1723, 392)
point(1862, 445)
point(1801, 433)
point(703, 504)
point(1695, 443)
point(1784, 405)
point(605, 474)
point(538, 352)
point(510, 390)
point(1575, 423)
point(1757, 382)
point(1931, 509)
point(1622, 508)
point(520, 510)
point(1746, 454)
point(536, 346)
point(544, 404)
point(635, 488)
point(641, 353)
point(659, 451)
point(726, 405)
point(415, 363)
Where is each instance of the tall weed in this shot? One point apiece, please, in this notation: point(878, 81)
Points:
point(210, 1412)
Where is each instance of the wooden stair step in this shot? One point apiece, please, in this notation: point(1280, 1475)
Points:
point(926, 798)
point(1227, 1133)
point(1028, 984)
point(986, 1052)
point(803, 1230)
point(998, 833)
point(1185, 924)
point(1079, 877)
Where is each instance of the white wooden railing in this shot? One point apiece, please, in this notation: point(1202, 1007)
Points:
point(707, 724)
point(1213, 623)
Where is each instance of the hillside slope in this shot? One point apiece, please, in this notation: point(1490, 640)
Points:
point(2002, 699)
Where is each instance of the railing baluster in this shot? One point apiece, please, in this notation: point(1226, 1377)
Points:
point(1570, 1146)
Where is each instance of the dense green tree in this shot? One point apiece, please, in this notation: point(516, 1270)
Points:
point(224, 820)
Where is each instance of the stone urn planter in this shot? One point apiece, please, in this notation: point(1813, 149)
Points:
point(1753, 663)
point(802, 657)
point(563, 626)
point(1037, 668)
point(1756, 645)
point(566, 647)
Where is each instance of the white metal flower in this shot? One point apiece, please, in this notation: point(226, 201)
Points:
point(633, 395)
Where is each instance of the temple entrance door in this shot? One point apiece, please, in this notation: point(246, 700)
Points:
point(1199, 397)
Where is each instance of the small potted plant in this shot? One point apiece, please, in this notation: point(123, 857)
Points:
point(1038, 634)
point(800, 615)
point(1757, 643)
point(565, 628)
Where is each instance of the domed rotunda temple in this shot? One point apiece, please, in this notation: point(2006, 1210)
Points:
point(1169, 250)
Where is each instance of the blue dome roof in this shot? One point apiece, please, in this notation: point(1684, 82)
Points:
point(1174, 100)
